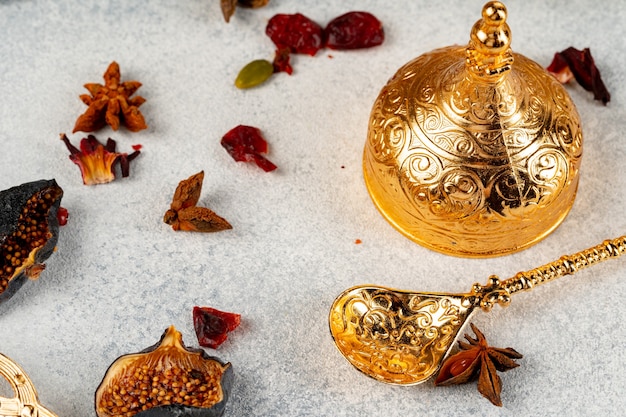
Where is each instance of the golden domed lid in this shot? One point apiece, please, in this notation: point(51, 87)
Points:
point(474, 151)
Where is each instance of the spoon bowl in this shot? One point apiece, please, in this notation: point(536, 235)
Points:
point(402, 337)
point(394, 336)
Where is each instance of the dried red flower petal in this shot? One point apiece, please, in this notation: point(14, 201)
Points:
point(581, 65)
point(111, 104)
point(560, 69)
point(354, 30)
point(296, 32)
point(246, 144)
point(97, 161)
point(212, 325)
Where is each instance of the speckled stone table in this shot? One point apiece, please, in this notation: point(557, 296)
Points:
point(120, 275)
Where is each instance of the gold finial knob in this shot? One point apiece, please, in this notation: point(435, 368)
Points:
point(489, 53)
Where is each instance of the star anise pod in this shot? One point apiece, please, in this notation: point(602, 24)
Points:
point(185, 215)
point(478, 360)
point(228, 6)
point(111, 104)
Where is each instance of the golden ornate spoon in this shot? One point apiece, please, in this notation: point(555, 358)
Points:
point(402, 337)
point(26, 403)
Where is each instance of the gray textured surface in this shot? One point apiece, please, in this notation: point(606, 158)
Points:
point(121, 276)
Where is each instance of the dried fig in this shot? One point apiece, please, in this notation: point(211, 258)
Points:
point(29, 229)
point(165, 380)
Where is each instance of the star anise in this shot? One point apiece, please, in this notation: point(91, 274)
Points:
point(185, 215)
point(228, 6)
point(478, 360)
point(111, 104)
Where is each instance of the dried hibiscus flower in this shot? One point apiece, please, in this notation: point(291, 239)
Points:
point(228, 6)
point(573, 63)
point(212, 325)
point(478, 360)
point(29, 230)
point(111, 104)
point(97, 161)
point(185, 215)
point(246, 144)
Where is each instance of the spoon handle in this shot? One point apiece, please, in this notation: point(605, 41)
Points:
point(566, 265)
point(499, 292)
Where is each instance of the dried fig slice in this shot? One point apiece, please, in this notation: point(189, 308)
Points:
point(29, 230)
point(165, 380)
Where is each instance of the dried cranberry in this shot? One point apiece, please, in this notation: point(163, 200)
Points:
point(354, 30)
point(62, 216)
point(281, 61)
point(245, 143)
point(212, 325)
point(296, 32)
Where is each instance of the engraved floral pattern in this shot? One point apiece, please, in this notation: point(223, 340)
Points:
point(398, 338)
point(465, 165)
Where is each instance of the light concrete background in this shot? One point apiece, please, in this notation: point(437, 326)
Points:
point(121, 276)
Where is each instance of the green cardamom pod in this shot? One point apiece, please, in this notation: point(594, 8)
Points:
point(254, 73)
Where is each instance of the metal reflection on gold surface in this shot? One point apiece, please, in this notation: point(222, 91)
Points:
point(397, 336)
point(402, 337)
point(474, 151)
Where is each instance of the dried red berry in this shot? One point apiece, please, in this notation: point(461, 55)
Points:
point(245, 143)
point(354, 30)
point(212, 325)
point(296, 32)
point(62, 216)
point(281, 61)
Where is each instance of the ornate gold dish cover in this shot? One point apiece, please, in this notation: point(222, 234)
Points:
point(474, 150)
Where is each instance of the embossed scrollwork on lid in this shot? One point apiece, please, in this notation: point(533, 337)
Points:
point(392, 99)
point(491, 145)
point(569, 135)
point(517, 140)
point(430, 120)
point(549, 168)
point(387, 137)
point(421, 167)
point(456, 194)
point(513, 190)
point(462, 193)
point(460, 175)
